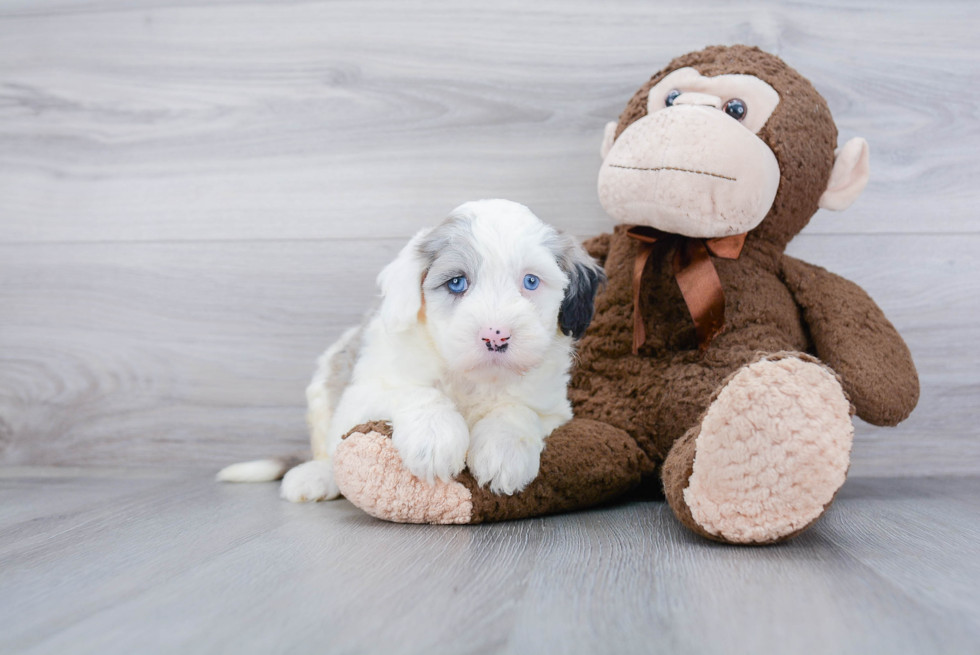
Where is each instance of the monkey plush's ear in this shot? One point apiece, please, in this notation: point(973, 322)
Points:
point(401, 287)
point(848, 177)
point(608, 136)
point(585, 277)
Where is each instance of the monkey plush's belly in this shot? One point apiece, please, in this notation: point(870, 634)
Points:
point(658, 395)
point(655, 400)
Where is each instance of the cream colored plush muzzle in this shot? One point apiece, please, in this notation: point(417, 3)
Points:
point(690, 170)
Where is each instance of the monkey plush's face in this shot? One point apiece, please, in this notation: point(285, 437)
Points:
point(694, 165)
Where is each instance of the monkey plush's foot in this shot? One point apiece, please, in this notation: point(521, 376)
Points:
point(769, 455)
point(584, 463)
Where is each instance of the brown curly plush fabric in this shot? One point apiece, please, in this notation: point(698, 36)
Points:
point(584, 463)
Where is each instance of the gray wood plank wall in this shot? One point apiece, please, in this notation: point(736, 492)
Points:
point(195, 197)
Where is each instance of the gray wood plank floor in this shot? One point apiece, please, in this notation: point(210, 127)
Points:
point(92, 562)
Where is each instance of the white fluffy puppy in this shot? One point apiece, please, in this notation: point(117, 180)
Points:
point(467, 357)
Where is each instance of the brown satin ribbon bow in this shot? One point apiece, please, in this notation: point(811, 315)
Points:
point(696, 277)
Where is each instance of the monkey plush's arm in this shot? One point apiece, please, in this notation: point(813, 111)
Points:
point(853, 337)
point(598, 247)
point(586, 463)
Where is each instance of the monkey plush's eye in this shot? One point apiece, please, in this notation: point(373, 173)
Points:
point(671, 97)
point(736, 109)
point(531, 282)
point(457, 285)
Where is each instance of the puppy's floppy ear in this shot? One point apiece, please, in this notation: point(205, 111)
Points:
point(585, 277)
point(401, 286)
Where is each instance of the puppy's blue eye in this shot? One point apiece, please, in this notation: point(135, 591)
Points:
point(457, 284)
point(531, 282)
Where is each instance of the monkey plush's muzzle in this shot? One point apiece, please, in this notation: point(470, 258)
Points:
point(689, 170)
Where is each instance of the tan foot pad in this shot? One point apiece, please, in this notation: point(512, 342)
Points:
point(370, 474)
point(772, 451)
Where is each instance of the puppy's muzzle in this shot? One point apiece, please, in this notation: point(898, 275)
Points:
point(495, 339)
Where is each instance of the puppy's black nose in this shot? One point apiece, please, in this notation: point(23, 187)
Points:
point(496, 339)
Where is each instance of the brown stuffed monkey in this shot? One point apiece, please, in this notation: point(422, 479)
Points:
point(716, 366)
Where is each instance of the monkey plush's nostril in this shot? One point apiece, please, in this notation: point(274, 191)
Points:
point(495, 339)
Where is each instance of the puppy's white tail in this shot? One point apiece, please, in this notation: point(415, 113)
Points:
point(259, 470)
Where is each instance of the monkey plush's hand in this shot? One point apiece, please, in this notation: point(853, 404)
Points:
point(853, 337)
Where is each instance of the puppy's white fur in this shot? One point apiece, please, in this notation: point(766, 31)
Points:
point(422, 361)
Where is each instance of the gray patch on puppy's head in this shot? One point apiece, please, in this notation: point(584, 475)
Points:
point(448, 249)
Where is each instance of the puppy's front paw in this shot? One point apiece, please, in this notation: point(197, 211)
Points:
point(505, 452)
point(309, 482)
point(432, 442)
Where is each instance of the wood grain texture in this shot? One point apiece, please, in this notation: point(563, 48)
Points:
point(195, 197)
point(228, 120)
point(162, 354)
point(121, 565)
